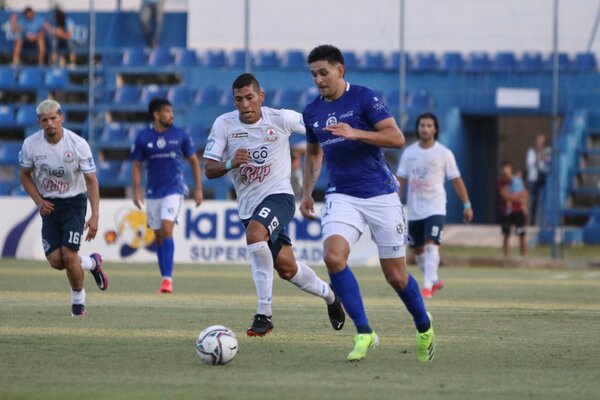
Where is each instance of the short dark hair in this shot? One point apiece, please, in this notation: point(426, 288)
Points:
point(431, 116)
point(244, 80)
point(326, 52)
point(504, 163)
point(156, 104)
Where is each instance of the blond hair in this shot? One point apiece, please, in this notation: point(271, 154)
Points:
point(48, 106)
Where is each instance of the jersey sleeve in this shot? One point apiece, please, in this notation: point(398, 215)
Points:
point(188, 148)
point(25, 156)
point(450, 166)
point(293, 122)
point(373, 106)
point(310, 134)
point(137, 149)
point(402, 171)
point(216, 143)
point(86, 160)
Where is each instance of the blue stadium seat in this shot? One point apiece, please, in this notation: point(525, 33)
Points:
point(504, 62)
point(56, 78)
point(351, 60)
point(7, 116)
point(237, 59)
point(425, 62)
point(107, 173)
point(267, 59)
point(186, 58)
point(394, 61)
point(114, 135)
point(392, 99)
point(179, 95)
point(159, 57)
point(198, 132)
point(124, 173)
point(286, 98)
point(269, 98)
point(9, 153)
point(452, 62)
point(133, 57)
point(31, 78)
point(5, 188)
point(564, 62)
point(419, 101)
point(126, 94)
point(208, 96)
point(531, 61)
point(135, 128)
point(27, 115)
point(214, 58)
point(151, 91)
point(8, 78)
point(478, 62)
point(373, 60)
point(293, 59)
point(585, 62)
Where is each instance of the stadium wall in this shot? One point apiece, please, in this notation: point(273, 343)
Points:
point(210, 234)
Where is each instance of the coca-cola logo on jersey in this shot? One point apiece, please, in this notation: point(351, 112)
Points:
point(250, 173)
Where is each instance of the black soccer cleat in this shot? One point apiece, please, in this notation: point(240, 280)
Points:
point(78, 310)
point(98, 273)
point(261, 326)
point(337, 316)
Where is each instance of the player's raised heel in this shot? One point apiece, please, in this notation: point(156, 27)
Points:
point(363, 342)
point(337, 316)
point(98, 274)
point(261, 326)
point(426, 343)
point(166, 286)
point(78, 310)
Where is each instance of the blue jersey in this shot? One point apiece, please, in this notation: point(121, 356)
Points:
point(163, 153)
point(355, 168)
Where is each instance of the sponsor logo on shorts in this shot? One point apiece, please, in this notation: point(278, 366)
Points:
point(45, 245)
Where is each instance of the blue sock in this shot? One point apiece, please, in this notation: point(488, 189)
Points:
point(159, 255)
point(346, 287)
point(168, 249)
point(414, 304)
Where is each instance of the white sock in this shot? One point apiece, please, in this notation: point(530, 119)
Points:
point(78, 297)
point(262, 274)
point(307, 280)
point(432, 263)
point(87, 263)
point(420, 259)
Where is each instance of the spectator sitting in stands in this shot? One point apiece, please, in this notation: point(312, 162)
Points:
point(60, 29)
point(30, 35)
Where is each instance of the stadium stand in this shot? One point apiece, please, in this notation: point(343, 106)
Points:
point(133, 57)
point(452, 62)
point(26, 115)
point(393, 63)
point(56, 78)
point(185, 58)
point(8, 78)
point(30, 78)
point(126, 94)
point(159, 57)
point(151, 91)
point(267, 59)
point(293, 59)
point(478, 62)
point(215, 58)
point(504, 62)
point(373, 61)
point(425, 62)
point(179, 96)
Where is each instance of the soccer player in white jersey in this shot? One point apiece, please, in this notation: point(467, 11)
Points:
point(424, 165)
point(252, 145)
point(349, 125)
point(58, 172)
point(163, 146)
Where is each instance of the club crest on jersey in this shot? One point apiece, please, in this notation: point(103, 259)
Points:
point(331, 121)
point(68, 157)
point(239, 134)
point(161, 143)
point(270, 136)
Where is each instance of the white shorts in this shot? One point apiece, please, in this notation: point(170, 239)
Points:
point(166, 208)
point(348, 216)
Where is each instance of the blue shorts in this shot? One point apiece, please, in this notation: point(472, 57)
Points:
point(422, 230)
point(275, 212)
point(63, 227)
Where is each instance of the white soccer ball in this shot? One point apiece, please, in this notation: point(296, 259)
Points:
point(216, 345)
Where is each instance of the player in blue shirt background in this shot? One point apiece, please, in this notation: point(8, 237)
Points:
point(349, 125)
point(163, 146)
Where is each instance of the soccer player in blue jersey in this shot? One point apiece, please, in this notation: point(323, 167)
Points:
point(163, 146)
point(349, 125)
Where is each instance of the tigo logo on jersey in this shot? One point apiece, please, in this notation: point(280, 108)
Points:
point(270, 136)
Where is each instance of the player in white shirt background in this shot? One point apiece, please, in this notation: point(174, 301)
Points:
point(424, 165)
point(252, 145)
point(57, 170)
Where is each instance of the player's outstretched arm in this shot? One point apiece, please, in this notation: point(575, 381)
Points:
point(387, 133)
point(195, 164)
point(463, 195)
point(136, 183)
point(93, 192)
point(216, 169)
point(313, 162)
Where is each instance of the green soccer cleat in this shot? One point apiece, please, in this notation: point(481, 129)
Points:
point(426, 343)
point(363, 342)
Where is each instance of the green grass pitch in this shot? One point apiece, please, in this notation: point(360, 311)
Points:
point(502, 334)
